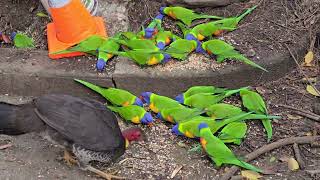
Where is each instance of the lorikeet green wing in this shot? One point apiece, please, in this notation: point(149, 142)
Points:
point(199, 89)
point(205, 100)
point(181, 48)
point(185, 15)
point(222, 110)
point(218, 151)
point(233, 132)
point(116, 96)
point(89, 45)
point(255, 103)
point(158, 103)
point(178, 114)
point(133, 113)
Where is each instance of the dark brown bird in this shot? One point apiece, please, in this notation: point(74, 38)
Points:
point(84, 127)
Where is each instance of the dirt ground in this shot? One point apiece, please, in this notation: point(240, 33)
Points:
point(262, 33)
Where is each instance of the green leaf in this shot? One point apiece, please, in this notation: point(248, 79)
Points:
point(23, 41)
point(41, 14)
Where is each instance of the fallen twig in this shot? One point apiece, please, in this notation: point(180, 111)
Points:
point(313, 172)
point(175, 172)
point(301, 112)
point(282, 142)
point(298, 156)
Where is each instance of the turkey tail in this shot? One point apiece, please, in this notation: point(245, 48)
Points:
point(16, 119)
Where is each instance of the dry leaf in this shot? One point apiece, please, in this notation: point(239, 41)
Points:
point(293, 117)
point(251, 175)
point(312, 91)
point(293, 164)
point(308, 58)
point(5, 146)
point(312, 80)
point(175, 172)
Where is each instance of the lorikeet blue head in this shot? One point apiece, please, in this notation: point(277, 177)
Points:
point(146, 97)
point(159, 116)
point(180, 98)
point(149, 32)
point(199, 48)
point(162, 10)
point(138, 102)
point(13, 35)
point(147, 118)
point(161, 45)
point(166, 58)
point(159, 16)
point(203, 125)
point(100, 64)
point(176, 131)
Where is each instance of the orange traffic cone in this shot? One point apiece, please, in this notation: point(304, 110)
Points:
point(72, 23)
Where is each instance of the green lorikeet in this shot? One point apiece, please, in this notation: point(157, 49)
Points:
point(21, 40)
point(218, 151)
point(233, 133)
point(181, 48)
point(189, 128)
point(255, 103)
point(204, 100)
point(199, 89)
point(116, 96)
point(157, 103)
point(178, 114)
point(133, 113)
point(203, 31)
point(232, 22)
point(222, 111)
point(185, 15)
point(223, 50)
point(108, 45)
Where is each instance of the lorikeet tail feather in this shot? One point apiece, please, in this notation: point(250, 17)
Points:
point(209, 17)
point(248, 11)
point(268, 126)
point(91, 86)
point(114, 109)
point(262, 116)
point(231, 92)
point(183, 28)
point(247, 166)
point(246, 60)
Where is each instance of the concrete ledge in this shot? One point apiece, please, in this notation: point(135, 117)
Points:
point(32, 73)
point(131, 77)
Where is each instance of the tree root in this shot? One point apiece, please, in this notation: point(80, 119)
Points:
point(282, 142)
